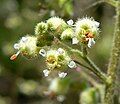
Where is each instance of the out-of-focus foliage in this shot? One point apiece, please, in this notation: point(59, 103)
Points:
point(21, 81)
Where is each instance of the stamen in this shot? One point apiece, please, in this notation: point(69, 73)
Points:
point(14, 56)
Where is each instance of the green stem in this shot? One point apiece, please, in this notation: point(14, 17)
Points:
point(93, 68)
point(113, 69)
point(97, 71)
point(111, 2)
point(83, 65)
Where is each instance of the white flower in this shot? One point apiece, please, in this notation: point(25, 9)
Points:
point(75, 40)
point(27, 46)
point(70, 22)
point(91, 42)
point(57, 59)
point(62, 74)
point(46, 72)
point(42, 52)
point(72, 64)
point(85, 25)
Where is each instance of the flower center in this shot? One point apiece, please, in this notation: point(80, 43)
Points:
point(51, 59)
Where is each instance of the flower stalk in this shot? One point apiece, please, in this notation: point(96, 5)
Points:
point(113, 69)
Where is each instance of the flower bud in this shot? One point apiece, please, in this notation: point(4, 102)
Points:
point(67, 34)
point(41, 28)
point(44, 40)
point(57, 24)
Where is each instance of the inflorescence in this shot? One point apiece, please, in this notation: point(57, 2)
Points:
point(83, 31)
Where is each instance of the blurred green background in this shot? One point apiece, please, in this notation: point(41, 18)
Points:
point(22, 81)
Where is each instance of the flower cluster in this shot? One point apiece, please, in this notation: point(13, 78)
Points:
point(84, 31)
point(57, 60)
point(27, 47)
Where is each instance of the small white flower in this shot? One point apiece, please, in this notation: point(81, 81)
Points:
point(72, 64)
point(24, 39)
point(75, 40)
point(42, 52)
point(16, 46)
point(62, 74)
point(46, 72)
point(86, 24)
point(70, 22)
point(91, 42)
point(60, 51)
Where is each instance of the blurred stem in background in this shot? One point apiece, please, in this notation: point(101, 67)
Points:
point(112, 88)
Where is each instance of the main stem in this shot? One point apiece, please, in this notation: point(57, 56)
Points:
point(113, 70)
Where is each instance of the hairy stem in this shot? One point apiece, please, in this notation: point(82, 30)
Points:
point(97, 71)
point(113, 69)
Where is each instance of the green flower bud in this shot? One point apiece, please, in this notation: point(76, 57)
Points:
point(41, 28)
point(57, 24)
point(44, 40)
point(67, 34)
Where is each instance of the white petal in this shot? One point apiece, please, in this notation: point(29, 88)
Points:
point(72, 64)
point(16, 46)
point(24, 39)
point(60, 51)
point(62, 74)
point(75, 40)
point(46, 72)
point(70, 22)
point(42, 52)
point(91, 42)
point(97, 24)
